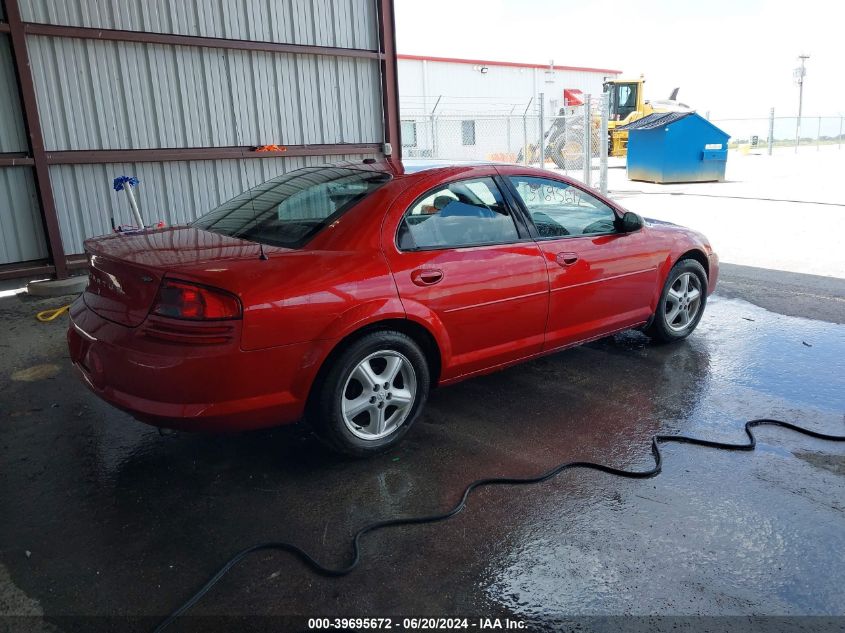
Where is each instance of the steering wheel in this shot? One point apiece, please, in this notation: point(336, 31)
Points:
point(599, 226)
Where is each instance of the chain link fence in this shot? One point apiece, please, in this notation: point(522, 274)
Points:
point(770, 132)
point(573, 141)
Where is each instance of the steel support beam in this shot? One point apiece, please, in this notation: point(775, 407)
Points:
point(27, 269)
point(17, 38)
point(144, 37)
point(15, 160)
point(389, 78)
point(100, 156)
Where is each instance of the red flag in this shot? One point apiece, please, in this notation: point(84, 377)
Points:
point(573, 97)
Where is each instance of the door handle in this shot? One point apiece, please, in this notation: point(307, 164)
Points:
point(566, 259)
point(426, 276)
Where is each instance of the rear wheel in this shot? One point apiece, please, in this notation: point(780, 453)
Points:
point(371, 394)
point(681, 303)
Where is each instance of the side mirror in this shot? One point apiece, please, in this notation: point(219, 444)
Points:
point(630, 222)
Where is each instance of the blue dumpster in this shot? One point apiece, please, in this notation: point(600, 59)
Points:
point(676, 147)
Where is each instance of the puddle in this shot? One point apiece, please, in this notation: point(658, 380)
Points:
point(35, 373)
point(791, 358)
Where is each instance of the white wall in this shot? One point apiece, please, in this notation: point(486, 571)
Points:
point(501, 90)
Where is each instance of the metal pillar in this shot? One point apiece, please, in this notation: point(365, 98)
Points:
point(41, 169)
point(587, 142)
point(799, 75)
point(603, 144)
point(389, 80)
point(542, 130)
point(510, 135)
point(771, 130)
point(433, 125)
point(525, 132)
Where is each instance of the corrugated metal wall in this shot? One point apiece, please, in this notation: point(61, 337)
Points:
point(178, 96)
point(342, 23)
point(112, 95)
point(12, 135)
point(22, 234)
point(175, 192)
point(21, 230)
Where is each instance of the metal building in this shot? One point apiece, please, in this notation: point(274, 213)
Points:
point(177, 93)
point(474, 108)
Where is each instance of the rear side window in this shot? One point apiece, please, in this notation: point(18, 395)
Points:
point(463, 213)
point(290, 209)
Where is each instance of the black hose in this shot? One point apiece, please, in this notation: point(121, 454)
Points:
point(656, 440)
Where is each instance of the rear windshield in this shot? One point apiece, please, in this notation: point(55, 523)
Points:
point(292, 208)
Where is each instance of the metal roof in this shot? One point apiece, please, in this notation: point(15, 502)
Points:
point(491, 62)
point(655, 120)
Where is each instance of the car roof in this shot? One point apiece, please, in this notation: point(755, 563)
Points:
point(417, 165)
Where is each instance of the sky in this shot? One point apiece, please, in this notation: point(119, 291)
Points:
point(733, 58)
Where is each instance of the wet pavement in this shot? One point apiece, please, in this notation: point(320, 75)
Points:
point(102, 515)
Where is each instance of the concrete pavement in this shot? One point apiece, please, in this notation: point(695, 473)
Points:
point(780, 212)
point(108, 525)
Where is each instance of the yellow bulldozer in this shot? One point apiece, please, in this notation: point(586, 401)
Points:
point(626, 104)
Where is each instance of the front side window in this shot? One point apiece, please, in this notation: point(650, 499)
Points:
point(463, 213)
point(290, 209)
point(559, 209)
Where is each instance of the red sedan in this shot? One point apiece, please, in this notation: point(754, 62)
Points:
point(342, 294)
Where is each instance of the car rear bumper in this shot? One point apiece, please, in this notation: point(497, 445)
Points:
point(206, 387)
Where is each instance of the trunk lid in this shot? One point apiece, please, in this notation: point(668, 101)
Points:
point(126, 270)
point(120, 291)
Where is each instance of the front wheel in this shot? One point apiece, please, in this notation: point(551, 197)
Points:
point(371, 394)
point(681, 303)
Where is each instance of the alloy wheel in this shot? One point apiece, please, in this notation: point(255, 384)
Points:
point(683, 302)
point(378, 395)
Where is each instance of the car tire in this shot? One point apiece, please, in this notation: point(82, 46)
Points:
point(679, 309)
point(371, 394)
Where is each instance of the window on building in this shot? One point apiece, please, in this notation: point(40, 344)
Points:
point(468, 132)
point(409, 133)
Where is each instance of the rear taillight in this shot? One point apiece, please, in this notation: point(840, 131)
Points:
point(183, 300)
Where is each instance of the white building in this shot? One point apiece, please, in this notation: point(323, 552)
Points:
point(481, 109)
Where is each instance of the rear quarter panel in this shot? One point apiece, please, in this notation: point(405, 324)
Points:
point(316, 295)
point(338, 281)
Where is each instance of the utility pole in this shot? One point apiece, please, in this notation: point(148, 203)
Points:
point(799, 74)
